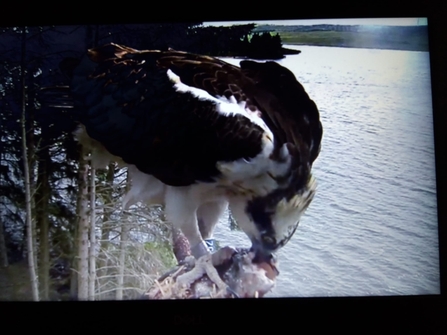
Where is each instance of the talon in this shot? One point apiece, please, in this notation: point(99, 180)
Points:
point(200, 267)
point(206, 265)
point(189, 262)
point(170, 272)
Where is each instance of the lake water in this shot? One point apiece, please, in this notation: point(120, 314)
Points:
point(372, 227)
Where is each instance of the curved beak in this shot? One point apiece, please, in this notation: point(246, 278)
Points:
point(264, 255)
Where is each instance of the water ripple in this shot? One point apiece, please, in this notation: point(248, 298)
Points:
point(372, 227)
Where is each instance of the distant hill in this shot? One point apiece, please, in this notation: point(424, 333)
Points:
point(414, 38)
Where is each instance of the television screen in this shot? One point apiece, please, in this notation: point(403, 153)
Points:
point(371, 228)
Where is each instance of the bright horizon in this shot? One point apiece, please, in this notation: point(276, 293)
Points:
point(413, 21)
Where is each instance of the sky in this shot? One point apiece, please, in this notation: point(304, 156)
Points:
point(384, 21)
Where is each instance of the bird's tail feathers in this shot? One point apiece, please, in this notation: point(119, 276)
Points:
point(99, 156)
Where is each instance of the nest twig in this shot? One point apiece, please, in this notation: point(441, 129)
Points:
point(239, 274)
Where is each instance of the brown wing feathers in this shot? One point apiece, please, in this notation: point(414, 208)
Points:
point(286, 107)
point(210, 74)
point(128, 104)
point(268, 87)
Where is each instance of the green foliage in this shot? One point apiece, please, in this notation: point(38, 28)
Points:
point(235, 41)
point(263, 45)
point(164, 251)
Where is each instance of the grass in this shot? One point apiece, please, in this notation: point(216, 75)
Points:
point(15, 283)
point(356, 40)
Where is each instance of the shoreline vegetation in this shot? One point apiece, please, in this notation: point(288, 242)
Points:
point(409, 38)
point(238, 41)
point(267, 41)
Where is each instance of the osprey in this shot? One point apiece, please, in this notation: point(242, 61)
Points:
point(199, 134)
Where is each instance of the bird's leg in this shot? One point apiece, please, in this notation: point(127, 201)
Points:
point(202, 266)
point(200, 249)
point(208, 215)
point(206, 265)
point(200, 263)
point(181, 211)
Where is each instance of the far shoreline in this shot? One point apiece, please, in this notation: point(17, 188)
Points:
point(411, 38)
point(347, 47)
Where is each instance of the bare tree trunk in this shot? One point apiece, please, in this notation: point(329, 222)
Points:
point(123, 244)
point(3, 252)
point(106, 227)
point(43, 197)
point(122, 260)
point(92, 251)
point(83, 228)
point(74, 272)
point(31, 154)
point(29, 218)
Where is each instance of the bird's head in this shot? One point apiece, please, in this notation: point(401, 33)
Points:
point(271, 221)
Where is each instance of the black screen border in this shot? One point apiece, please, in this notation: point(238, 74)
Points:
point(390, 314)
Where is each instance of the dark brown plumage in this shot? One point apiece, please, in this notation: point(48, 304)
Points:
point(130, 106)
point(268, 87)
point(245, 136)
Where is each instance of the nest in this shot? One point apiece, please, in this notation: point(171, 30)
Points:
point(236, 277)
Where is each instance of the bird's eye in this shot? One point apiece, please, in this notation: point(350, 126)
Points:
point(268, 239)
